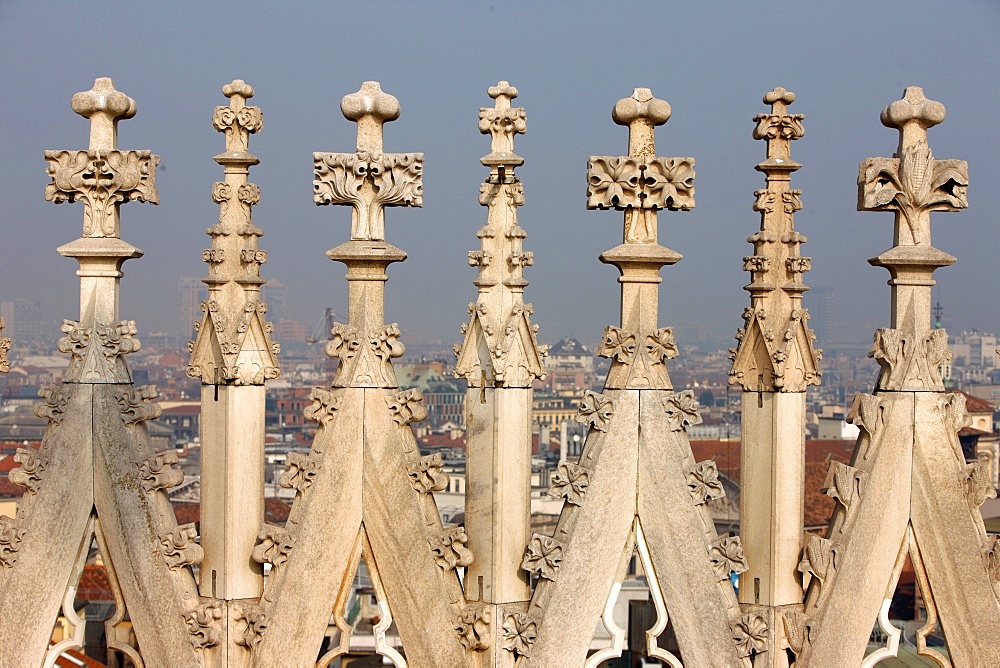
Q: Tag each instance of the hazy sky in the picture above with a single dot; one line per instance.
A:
(571, 61)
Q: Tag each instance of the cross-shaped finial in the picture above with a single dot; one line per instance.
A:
(238, 121)
(503, 93)
(912, 115)
(641, 113)
(779, 99)
(502, 122)
(370, 108)
(104, 106)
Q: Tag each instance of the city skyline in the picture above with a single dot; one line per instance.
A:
(845, 64)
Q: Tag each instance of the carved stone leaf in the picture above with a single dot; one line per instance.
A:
(159, 472)
(977, 481)
(595, 410)
(137, 404)
(570, 481)
(726, 555)
(543, 555)
(661, 346)
(274, 544)
(10, 540)
(102, 180)
(449, 548)
(29, 474)
(844, 483)
(180, 548)
(426, 474)
(798, 631)
(324, 406)
(205, 625)
(302, 468)
(519, 634)
(820, 558)
(473, 628)
(53, 404)
(775, 126)
(255, 622)
(682, 410)
(407, 406)
(703, 483)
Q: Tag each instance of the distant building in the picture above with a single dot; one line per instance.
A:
(193, 293)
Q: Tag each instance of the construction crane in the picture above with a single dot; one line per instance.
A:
(322, 327)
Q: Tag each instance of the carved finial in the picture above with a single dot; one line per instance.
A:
(912, 184)
(502, 123)
(779, 99)
(370, 108)
(503, 93)
(641, 112)
(104, 106)
(912, 115)
(778, 356)
(500, 348)
(239, 90)
(228, 347)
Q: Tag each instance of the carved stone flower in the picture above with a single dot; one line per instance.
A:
(543, 555)
(519, 633)
(595, 410)
(570, 481)
(726, 555)
(386, 343)
(682, 410)
(617, 345)
(324, 406)
(703, 482)
(668, 183)
(750, 634)
(274, 544)
(661, 346)
(301, 471)
(613, 182)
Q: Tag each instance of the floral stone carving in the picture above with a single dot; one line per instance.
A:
(543, 555)
(750, 634)
(205, 625)
(703, 483)
(977, 481)
(449, 548)
(255, 621)
(407, 406)
(324, 406)
(137, 404)
(159, 472)
(426, 474)
(682, 410)
(570, 481)
(29, 474)
(846, 484)
(53, 404)
(473, 628)
(820, 558)
(910, 361)
(10, 540)
(726, 555)
(519, 633)
(179, 546)
(101, 180)
(302, 468)
(595, 410)
(273, 546)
